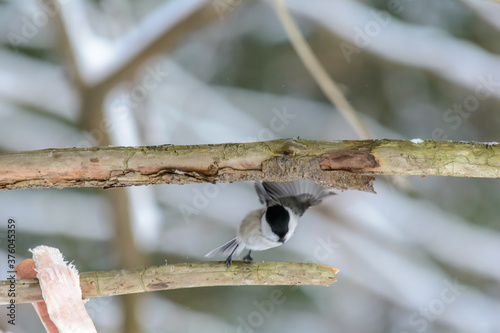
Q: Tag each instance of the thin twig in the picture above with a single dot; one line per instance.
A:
(179, 276)
(318, 72)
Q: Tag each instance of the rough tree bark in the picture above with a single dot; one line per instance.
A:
(340, 164)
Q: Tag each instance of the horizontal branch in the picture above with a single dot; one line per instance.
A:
(340, 164)
(178, 276)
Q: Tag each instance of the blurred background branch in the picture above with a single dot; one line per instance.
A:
(318, 72)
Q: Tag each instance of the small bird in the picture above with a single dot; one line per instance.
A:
(274, 224)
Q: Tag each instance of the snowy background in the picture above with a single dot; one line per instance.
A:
(80, 73)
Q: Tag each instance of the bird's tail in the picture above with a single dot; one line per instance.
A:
(225, 249)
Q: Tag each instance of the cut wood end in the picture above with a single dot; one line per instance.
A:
(335, 270)
(26, 269)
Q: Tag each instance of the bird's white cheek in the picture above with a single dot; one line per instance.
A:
(288, 236)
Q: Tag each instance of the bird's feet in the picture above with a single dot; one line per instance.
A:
(248, 259)
(229, 261)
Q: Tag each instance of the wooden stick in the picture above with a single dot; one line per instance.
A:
(340, 164)
(178, 276)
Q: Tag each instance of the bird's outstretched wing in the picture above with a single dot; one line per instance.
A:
(298, 195)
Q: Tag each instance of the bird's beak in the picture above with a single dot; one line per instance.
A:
(282, 239)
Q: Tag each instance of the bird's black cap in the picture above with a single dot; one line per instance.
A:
(278, 217)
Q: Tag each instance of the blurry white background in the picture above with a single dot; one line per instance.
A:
(120, 72)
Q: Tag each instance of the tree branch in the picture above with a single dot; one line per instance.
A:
(179, 276)
(340, 164)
